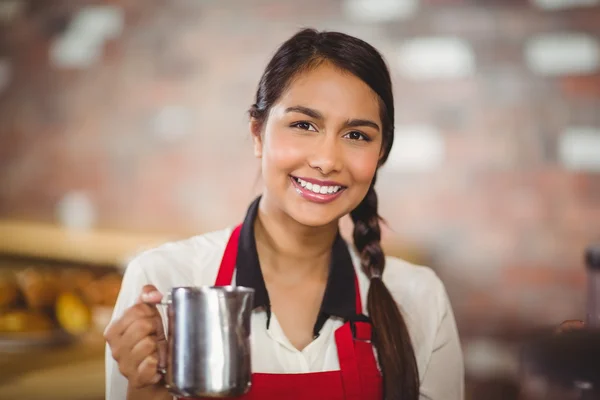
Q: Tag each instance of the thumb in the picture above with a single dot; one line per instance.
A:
(150, 294)
(570, 325)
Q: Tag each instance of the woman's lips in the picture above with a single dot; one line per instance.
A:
(312, 191)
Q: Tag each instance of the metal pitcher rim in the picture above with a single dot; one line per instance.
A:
(226, 289)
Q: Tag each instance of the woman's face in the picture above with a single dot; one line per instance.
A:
(320, 146)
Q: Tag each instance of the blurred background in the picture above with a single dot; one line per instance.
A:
(124, 124)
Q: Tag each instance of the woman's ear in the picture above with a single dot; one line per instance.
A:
(256, 131)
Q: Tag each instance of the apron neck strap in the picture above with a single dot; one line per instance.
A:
(228, 262)
(227, 267)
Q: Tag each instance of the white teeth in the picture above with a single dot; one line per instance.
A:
(313, 187)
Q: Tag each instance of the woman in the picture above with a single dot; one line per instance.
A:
(322, 124)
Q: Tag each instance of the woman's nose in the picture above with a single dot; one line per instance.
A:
(326, 156)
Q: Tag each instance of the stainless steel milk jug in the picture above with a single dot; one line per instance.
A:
(208, 341)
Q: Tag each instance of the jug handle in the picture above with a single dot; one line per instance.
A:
(166, 301)
(163, 373)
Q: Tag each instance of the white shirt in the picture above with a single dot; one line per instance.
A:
(418, 291)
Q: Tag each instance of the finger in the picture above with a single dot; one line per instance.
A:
(136, 332)
(570, 325)
(132, 314)
(150, 294)
(143, 349)
(147, 372)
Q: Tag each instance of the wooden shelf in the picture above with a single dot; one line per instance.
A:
(96, 247)
(73, 372)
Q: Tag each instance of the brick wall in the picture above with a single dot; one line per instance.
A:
(131, 115)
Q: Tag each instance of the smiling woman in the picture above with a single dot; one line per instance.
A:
(322, 124)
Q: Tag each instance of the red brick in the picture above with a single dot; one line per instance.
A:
(577, 87)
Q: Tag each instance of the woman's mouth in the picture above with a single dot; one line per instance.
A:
(322, 192)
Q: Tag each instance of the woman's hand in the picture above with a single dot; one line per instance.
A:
(569, 325)
(137, 340)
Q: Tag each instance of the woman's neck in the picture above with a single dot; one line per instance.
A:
(290, 247)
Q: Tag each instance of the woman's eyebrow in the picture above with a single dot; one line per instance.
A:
(354, 123)
(351, 123)
(305, 110)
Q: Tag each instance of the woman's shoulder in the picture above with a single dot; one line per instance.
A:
(417, 289)
(405, 278)
(420, 294)
(193, 260)
(410, 284)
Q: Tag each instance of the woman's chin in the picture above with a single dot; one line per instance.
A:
(314, 221)
(313, 216)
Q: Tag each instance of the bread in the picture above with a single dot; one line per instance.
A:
(75, 279)
(9, 290)
(73, 315)
(39, 287)
(19, 321)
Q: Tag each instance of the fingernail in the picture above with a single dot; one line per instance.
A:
(149, 296)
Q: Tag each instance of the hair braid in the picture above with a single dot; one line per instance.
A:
(394, 347)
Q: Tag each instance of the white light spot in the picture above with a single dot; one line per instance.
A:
(416, 148)
(82, 44)
(76, 211)
(486, 358)
(10, 9)
(71, 51)
(562, 54)
(172, 123)
(436, 58)
(5, 74)
(104, 22)
(579, 148)
(562, 4)
(379, 10)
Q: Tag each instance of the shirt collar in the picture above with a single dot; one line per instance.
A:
(339, 299)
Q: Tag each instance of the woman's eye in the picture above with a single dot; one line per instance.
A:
(304, 126)
(355, 135)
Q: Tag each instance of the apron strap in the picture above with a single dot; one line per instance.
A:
(369, 370)
(348, 362)
(227, 268)
(357, 295)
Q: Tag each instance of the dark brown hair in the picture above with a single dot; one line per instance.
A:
(305, 51)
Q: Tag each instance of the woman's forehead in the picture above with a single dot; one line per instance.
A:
(331, 91)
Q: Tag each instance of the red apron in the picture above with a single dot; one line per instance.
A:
(358, 378)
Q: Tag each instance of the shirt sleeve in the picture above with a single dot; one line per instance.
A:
(134, 280)
(444, 375)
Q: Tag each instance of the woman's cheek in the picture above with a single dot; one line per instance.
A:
(287, 151)
(362, 166)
